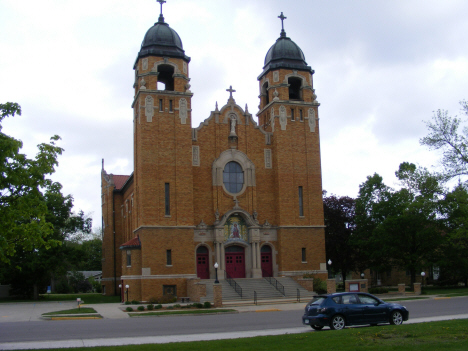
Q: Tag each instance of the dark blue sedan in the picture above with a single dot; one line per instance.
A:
(343, 309)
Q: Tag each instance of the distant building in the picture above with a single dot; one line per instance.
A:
(239, 191)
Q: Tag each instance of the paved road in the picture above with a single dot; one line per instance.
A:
(118, 328)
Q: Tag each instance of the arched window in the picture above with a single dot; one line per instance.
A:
(233, 177)
(265, 249)
(265, 93)
(165, 76)
(295, 88)
(202, 250)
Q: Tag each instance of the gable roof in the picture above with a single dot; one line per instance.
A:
(134, 243)
(119, 180)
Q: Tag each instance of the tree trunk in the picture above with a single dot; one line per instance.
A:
(35, 293)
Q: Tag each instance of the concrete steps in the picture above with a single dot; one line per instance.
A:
(266, 293)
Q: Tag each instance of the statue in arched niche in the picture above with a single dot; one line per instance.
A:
(233, 119)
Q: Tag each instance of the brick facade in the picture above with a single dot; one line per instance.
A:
(176, 202)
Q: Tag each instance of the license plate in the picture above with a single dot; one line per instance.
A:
(306, 321)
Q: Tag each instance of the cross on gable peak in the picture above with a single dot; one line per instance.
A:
(230, 91)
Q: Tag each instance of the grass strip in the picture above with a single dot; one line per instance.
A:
(72, 311)
(407, 298)
(144, 314)
(434, 336)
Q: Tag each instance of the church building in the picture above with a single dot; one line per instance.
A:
(241, 191)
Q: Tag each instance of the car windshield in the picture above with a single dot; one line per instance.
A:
(317, 300)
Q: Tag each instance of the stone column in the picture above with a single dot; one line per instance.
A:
(331, 286)
(417, 288)
(259, 256)
(218, 295)
(401, 289)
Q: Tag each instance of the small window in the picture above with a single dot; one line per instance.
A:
(161, 105)
(167, 199)
(292, 114)
(349, 299)
(304, 258)
(294, 88)
(170, 290)
(301, 117)
(171, 108)
(129, 258)
(301, 203)
(169, 257)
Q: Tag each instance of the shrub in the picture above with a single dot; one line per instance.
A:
(127, 302)
(149, 307)
(177, 305)
(207, 304)
(197, 305)
(320, 286)
(129, 309)
(157, 307)
(141, 308)
(170, 307)
(153, 300)
(135, 302)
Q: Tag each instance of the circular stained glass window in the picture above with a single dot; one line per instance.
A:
(233, 177)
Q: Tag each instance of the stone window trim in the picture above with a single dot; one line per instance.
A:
(237, 156)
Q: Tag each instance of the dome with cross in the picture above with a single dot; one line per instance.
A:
(162, 40)
(285, 53)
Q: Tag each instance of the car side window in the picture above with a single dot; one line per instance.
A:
(337, 299)
(368, 300)
(349, 299)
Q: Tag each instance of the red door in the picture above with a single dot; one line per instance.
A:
(267, 264)
(203, 271)
(235, 264)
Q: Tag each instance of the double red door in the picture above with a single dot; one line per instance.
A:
(235, 264)
(203, 270)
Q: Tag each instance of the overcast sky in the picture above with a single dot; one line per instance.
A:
(381, 69)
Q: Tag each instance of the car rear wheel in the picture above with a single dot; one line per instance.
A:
(316, 327)
(337, 323)
(396, 318)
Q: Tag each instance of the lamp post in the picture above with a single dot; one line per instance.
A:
(329, 264)
(423, 274)
(126, 287)
(216, 272)
(362, 275)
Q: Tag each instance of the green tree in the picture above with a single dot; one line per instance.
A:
(400, 228)
(340, 224)
(445, 135)
(23, 208)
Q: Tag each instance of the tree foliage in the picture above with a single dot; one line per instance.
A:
(400, 228)
(445, 135)
(340, 224)
(23, 208)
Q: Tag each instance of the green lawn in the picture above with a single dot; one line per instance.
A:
(442, 291)
(436, 336)
(72, 311)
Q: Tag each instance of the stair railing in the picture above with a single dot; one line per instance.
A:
(278, 286)
(233, 283)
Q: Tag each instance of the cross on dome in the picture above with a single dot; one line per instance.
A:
(161, 17)
(282, 17)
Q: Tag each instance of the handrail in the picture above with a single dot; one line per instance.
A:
(255, 298)
(233, 283)
(278, 286)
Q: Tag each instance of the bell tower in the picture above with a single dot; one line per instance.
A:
(162, 130)
(289, 111)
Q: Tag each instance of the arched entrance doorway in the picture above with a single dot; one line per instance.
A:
(267, 261)
(203, 266)
(235, 261)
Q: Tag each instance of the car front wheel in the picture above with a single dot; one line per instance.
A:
(316, 327)
(337, 323)
(396, 318)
